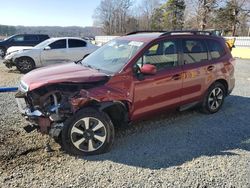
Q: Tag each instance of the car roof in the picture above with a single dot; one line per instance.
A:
(30, 34)
(142, 37)
(59, 38)
(149, 36)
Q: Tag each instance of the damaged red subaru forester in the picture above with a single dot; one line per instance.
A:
(128, 79)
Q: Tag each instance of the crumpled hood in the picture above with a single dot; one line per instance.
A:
(68, 72)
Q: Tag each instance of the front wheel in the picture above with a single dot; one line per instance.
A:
(88, 132)
(25, 64)
(214, 98)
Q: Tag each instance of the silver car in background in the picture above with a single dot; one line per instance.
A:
(51, 51)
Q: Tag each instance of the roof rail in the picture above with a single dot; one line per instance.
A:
(146, 31)
(194, 32)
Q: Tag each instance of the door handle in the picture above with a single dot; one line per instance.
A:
(176, 77)
(210, 68)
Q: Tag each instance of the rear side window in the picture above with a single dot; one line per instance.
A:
(31, 38)
(215, 48)
(74, 43)
(194, 51)
(58, 44)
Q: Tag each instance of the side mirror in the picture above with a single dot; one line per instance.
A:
(47, 48)
(148, 69)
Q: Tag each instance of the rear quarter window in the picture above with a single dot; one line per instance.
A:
(216, 49)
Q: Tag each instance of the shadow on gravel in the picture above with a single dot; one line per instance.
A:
(181, 137)
(14, 71)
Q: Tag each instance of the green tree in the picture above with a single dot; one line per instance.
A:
(232, 17)
(174, 15)
(157, 19)
(169, 16)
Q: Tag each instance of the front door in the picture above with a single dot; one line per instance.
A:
(153, 93)
(57, 53)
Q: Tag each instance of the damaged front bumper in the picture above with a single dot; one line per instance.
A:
(37, 119)
(9, 63)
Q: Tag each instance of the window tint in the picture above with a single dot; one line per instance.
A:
(216, 49)
(31, 38)
(194, 51)
(58, 44)
(163, 55)
(74, 43)
(19, 38)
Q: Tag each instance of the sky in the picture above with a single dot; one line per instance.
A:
(47, 12)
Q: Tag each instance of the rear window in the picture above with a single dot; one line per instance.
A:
(215, 48)
(74, 43)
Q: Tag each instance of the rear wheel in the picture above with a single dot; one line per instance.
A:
(25, 64)
(88, 132)
(214, 98)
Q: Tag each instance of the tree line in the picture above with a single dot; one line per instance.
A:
(52, 31)
(122, 16)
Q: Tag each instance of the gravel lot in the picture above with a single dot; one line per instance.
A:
(182, 149)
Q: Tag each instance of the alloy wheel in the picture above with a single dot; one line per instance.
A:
(88, 134)
(25, 64)
(215, 98)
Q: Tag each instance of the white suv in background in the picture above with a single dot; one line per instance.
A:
(51, 51)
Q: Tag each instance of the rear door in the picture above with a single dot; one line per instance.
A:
(153, 93)
(31, 40)
(56, 54)
(197, 69)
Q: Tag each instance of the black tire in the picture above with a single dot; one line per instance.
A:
(25, 64)
(79, 140)
(214, 98)
(2, 52)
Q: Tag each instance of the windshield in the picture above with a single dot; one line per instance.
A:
(113, 56)
(9, 37)
(44, 43)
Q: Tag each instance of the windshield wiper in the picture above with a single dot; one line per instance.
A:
(79, 61)
(92, 67)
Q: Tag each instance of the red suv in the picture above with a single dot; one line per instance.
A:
(128, 79)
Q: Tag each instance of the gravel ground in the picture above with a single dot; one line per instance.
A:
(182, 149)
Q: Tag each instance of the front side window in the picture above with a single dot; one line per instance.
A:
(74, 43)
(19, 38)
(194, 51)
(216, 49)
(58, 44)
(162, 55)
(113, 56)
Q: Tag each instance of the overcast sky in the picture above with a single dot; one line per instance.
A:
(47, 12)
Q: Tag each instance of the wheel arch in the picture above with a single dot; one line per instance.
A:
(224, 83)
(116, 110)
(19, 57)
